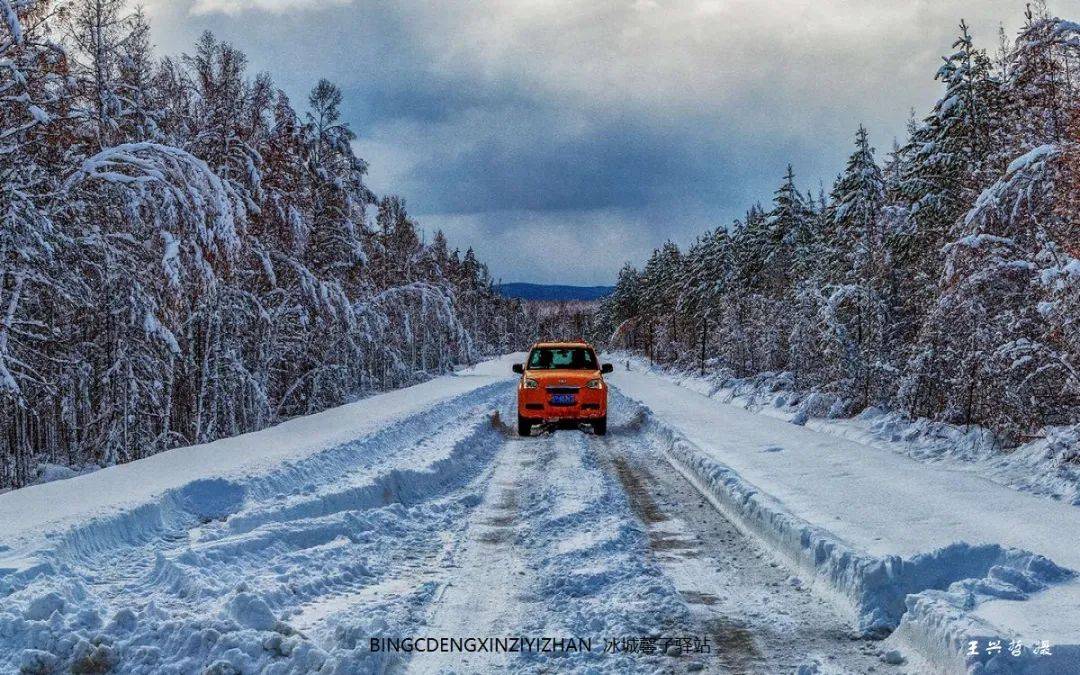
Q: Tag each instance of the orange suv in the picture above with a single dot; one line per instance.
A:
(562, 381)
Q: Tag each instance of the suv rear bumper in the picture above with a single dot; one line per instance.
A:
(535, 404)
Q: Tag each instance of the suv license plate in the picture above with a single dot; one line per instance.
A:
(562, 399)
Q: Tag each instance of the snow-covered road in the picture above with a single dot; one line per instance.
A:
(421, 514)
(578, 535)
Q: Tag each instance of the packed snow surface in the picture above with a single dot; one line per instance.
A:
(1045, 466)
(436, 521)
(219, 556)
(882, 502)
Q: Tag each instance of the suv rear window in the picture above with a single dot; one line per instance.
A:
(565, 358)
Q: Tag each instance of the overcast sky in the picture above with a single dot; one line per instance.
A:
(561, 138)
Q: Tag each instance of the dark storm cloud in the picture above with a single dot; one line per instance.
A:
(538, 167)
(601, 127)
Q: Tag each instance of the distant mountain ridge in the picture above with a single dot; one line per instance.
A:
(552, 292)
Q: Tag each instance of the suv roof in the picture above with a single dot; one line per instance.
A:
(562, 343)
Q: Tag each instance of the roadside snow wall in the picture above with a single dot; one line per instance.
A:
(929, 594)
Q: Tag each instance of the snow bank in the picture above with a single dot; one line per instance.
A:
(873, 587)
(216, 498)
(928, 596)
(942, 627)
(936, 551)
(1048, 466)
(199, 607)
(47, 472)
(131, 497)
(142, 567)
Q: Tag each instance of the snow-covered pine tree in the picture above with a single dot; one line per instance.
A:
(948, 160)
(135, 67)
(855, 309)
(794, 216)
(1039, 81)
(1005, 361)
(945, 283)
(705, 278)
(999, 344)
(619, 311)
(943, 167)
(338, 196)
(790, 228)
(658, 286)
(743, 309)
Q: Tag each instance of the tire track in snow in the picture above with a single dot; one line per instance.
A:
(170, 518)
(464, 528)
(553, 550)
(217, 555)
(758, 617)
(483, 595)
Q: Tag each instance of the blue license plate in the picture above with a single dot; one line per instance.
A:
(562, 399)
